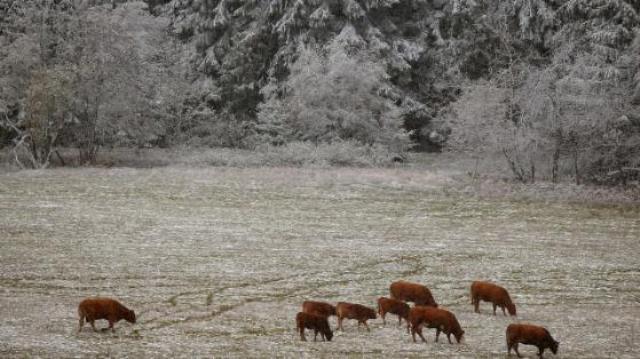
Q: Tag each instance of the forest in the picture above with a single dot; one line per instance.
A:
(548, 88)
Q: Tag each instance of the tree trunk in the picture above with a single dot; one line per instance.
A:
(517, 172)
(533, 172)
(88, 144)
(60, 158)
(475, 169)
(554, 167)
(575, 164)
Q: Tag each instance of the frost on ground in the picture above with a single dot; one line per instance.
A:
(216, 262)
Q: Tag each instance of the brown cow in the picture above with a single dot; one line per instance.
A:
(319, 308)
(412, 292)
(92, 309)
(354, 311)
(316, 322)
(530, 335)
(495, 294)
(440, 319)
(394, 306)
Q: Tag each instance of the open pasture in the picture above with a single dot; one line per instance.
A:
(217, 261)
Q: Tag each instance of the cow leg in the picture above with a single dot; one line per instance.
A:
(420, 334)
(515, 347)
(476, 304)
(449, 338)
(437, 334)
(399, 321)
(81, 324)
(93, 325)
(382, 315)
(111, 322)
(503, 312)
(540, 351)
(302, 337)
(315, 335)
(494, 308)
(413, 334)
(340, 323)
(366, 326)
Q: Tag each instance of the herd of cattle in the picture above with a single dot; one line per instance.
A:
(424, 313)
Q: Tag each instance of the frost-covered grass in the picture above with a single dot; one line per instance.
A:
(294, 154)
(216, 261)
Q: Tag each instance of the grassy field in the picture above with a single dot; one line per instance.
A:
(216, 262)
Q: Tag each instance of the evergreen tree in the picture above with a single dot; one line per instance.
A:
(245, 46)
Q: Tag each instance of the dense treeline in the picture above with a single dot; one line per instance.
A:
(551, 87)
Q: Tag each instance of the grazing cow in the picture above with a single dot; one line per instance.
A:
(495, 294)
(354, 311)
(319, 308)
(394, 306)
(412, 292)
(316, 322)
(92, 309)
(530, 335)
(440, 319)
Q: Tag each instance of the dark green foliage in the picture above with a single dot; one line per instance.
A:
(426, 47)
(245, 46)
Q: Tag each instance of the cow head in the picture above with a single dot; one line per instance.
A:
(329, 335)
(130, 316)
